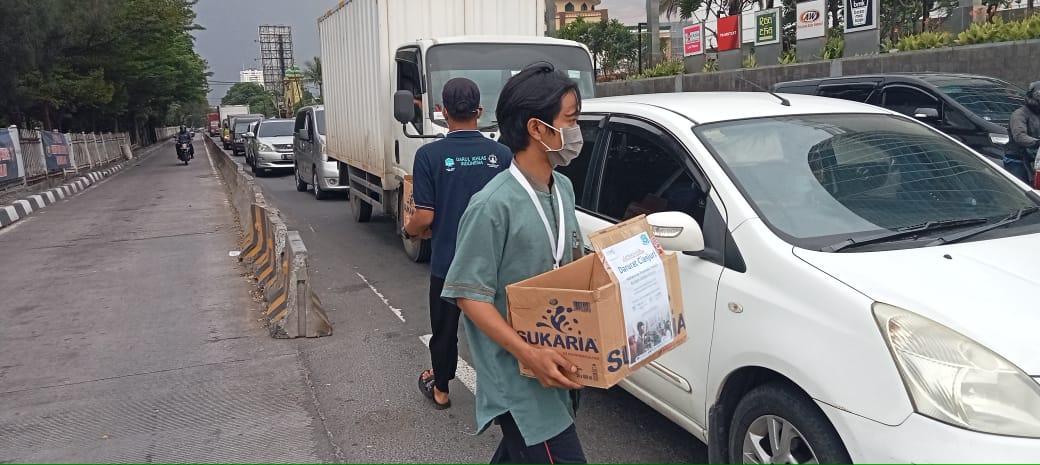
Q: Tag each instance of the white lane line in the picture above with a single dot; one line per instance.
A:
(386, 302)
(464, 372)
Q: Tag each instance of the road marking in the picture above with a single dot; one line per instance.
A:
(464, 372)
(386, 302)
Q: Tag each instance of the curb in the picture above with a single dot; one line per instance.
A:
(23, 208)
(277, 257)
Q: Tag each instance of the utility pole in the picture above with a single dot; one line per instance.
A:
(550, 18)
(653, 15)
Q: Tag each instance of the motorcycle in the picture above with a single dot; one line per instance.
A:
(184, 150)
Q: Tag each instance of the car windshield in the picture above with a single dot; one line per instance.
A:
(818, 179)
(992, 100)
(320, 117)
(491, 65)
(276, 128)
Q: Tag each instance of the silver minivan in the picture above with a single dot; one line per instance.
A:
(313, 167)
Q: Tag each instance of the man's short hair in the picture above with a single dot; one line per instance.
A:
(535, 92)
(461, 99)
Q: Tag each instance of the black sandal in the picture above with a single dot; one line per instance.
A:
(426, 387)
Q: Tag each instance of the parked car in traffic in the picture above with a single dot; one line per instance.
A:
(312, 166)
(857, 285)
(239, 125)
(973, 109)
(270, 144)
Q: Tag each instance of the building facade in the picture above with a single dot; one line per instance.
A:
(568, 11)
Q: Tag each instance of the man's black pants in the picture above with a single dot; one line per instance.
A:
(563, 448)
(444, 344)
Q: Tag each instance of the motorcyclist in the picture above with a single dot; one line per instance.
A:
(184, 138)
(1024, 132)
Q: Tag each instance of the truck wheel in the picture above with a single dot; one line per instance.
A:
(778, 423)
(362, 210)
(417, 251)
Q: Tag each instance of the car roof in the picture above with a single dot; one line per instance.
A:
(270, 120)
(710, 107)
(929, 76)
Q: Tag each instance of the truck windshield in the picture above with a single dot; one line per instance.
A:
(491, 65)
(991, 99)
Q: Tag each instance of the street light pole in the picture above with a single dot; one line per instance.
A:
(639, 34)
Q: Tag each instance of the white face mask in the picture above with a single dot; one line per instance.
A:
(571, 142)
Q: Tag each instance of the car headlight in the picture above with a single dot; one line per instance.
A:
(324, 155)
(999, 139)
(265, 148)
(956, 380)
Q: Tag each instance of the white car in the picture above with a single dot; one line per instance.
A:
(858, 286)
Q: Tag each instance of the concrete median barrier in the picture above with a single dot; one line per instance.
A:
(275, 255)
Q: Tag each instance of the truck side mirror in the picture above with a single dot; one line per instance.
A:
(404, 106)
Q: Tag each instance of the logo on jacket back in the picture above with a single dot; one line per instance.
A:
(558, 330)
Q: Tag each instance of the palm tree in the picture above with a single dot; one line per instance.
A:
(669, 8)
(312, 73)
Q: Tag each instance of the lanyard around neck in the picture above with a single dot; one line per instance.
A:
(555, 243)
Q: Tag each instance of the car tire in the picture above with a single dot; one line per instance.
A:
(257, 172)
(301, 186)
(316, 187)
(780, 407)
(362, 210)
(417, 251)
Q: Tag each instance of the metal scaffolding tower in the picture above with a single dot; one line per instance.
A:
(276, 55)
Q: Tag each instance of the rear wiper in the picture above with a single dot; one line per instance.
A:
(906, 231)
(981, 229)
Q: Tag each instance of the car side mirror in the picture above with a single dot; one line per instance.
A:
(404, 106)
(926, 114)
(249, 135)
(676, 231)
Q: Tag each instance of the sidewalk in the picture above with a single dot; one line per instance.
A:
(128, 334)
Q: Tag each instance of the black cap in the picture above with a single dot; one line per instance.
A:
(461, 97)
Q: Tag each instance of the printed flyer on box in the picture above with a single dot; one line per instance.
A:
(644, 295)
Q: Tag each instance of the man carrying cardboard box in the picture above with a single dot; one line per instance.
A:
(520, 225)
(447, 173)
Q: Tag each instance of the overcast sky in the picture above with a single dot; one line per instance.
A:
(230, 43)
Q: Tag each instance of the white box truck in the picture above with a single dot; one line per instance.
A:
(371, 51)
(226, 112)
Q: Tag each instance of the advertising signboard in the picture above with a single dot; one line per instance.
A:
(56, 150)
(767, 26)
(861, 15)
(693, 39)
(729, 33)
(811, 19)
(8, 160)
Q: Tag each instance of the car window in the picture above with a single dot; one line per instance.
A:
(319, 116)
(644, 174)
(578, 170)
(854, 92)
(301, 122)
(275, 128)
(993, 100)
(816, 179)
(906, 100)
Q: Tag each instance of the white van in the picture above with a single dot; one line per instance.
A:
(866, 289)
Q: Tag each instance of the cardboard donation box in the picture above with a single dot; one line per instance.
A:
(609, 313)
(409, 205)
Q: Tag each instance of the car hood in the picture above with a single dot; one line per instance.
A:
(275, 140)
(985, 290)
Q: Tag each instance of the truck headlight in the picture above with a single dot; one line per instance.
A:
(999, 139)
(956, 380)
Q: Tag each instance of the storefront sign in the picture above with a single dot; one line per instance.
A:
(861, 15)
(693, 39)
(811, 20)
(767, 27)
(729, 33)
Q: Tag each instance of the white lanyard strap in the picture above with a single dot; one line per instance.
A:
(555, 244)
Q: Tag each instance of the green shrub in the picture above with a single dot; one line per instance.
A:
(1000, 31)
(710, 65)
(925, 41)
(749, 61)
(664, 68)
(788, 57)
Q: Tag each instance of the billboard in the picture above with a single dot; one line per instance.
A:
(728, 33)
(8, 160)
(55, 150)
(861, 15)
(811, 20)
(767, 26)
(693, 40)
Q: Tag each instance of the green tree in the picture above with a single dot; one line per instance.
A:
(248, 93)
(612, 45)
(312, 73)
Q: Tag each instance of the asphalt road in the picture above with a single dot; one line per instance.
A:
(365, 374)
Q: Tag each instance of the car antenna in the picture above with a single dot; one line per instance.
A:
(783, 101)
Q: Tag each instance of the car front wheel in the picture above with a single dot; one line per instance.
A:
(301, 185)
(778, 423)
